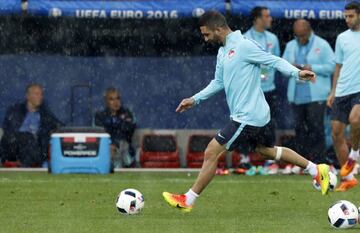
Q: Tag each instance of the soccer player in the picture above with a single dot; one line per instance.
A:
(238, 73)
(344, 98)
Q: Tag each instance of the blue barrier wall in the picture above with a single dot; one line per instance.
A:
(151, 87)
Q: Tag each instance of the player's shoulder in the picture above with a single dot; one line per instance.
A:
(321, 41)
(291, 43)
(344, 34)
(246, 42)
(247, 45)
(220, 51)
(271, 35)
(247, 33)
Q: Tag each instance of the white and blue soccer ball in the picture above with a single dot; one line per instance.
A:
(130, 201)
(333, 182)
(343, 214)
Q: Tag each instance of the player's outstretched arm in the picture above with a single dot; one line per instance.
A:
(255, 54)
(331, 97)
(185, 104)
(307, 75)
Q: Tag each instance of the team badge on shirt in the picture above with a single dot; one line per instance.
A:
(231, 53)
(317, 51)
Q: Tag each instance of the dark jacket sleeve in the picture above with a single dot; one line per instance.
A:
(7, 126)
(99, 119)
(50, 120)
(13, 119)
(128, 124)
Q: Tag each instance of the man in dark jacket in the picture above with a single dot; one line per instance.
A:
(27, 127)
(119, 122)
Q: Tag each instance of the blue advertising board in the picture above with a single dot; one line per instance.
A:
(292, 9)
(139, 9)
(10, 7)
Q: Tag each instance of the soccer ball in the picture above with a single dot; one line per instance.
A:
(130, 201)
(333, 182)
(343, 214)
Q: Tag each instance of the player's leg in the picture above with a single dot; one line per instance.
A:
(286, 155)
(340, 112)
(339, 141)
(319, 172)
(212, 153)
(354, 120)
(185, 201)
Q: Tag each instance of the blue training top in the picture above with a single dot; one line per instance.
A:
(238, 73)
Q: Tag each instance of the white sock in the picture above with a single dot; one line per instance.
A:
(354, 154)
(348, 177)
(191, 197)
(245, 159)
(312, 169)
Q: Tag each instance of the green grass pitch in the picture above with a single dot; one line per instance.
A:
(39, 202)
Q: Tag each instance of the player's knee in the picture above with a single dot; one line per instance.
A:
(337, 134)
(267, 152)
(210, 155)
(336, 137)
(354, 120)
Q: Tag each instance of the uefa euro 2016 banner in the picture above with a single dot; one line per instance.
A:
(293, 9)
(139, 9)
(157, 9)
(10, 7)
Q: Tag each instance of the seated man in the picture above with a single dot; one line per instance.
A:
(119, 122)
(27, 127)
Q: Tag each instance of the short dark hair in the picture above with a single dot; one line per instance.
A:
(213, 19)
(31, 85)
(354, 5)
(111, 90)
(256, 12)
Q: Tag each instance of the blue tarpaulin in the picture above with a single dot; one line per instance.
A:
(149, 9)
(326, 9)
(10, 7)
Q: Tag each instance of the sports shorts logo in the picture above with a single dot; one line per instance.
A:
(221, 136)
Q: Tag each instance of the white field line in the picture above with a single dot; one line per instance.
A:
(146, 182)
(116, 169)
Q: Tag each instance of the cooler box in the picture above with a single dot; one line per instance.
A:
(80, 150)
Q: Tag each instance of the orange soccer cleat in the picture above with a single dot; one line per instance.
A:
(346, 185)
(222, 172)
(348, 167)
(177, 201)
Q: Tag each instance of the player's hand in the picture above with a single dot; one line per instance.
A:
(307, 75)
(330, 99)
(185, 104)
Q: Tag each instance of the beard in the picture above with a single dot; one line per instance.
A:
(216, 40)
(355, 26)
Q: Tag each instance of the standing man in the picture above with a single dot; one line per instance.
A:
(119, 122)
(237, 72)
(344, 98)
(262, 20)
(27, 128)
(309, 52)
